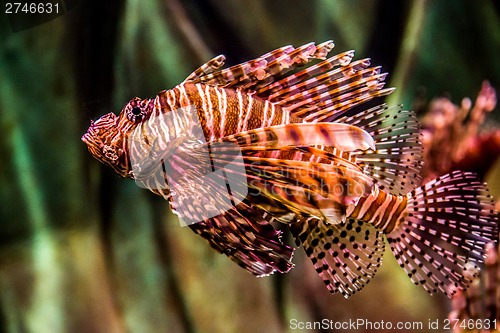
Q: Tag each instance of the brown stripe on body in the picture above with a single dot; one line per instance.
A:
(375, 204)
(398, 215)
(387, 212)
(164, 100)
(381, 209)
(357, 209)
(237, 107)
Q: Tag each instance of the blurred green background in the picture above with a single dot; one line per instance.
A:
(82, 250)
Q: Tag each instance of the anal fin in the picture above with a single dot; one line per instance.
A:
(346, 255)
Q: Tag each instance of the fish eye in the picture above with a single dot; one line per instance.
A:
(136, 111)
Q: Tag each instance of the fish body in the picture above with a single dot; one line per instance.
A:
(234, 150)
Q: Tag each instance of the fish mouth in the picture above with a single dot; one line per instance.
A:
(86, 138)
(106, 122)
(89, 136)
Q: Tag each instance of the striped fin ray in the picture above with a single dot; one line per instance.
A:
(315, 94)
(346, 256)
(298, 200)
(302, 184)
(272, 91)
(225, 154)
(318, 93)
(321, 155)
(233, 74)
(347, 101)
(335, 82)
(196, 186)
(240, 232)
(396, 162)
(332, 181)
(341, 136)
(262, 71)
(321, 189)
(248, 239)
(440, 243)
(207, 68)
(287, 62)
(338, 100)
(191, 163)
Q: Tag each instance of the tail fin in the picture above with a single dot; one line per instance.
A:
(440, 243)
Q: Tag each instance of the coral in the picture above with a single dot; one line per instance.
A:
(455, 138)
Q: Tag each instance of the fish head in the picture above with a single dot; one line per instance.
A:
(107, 137)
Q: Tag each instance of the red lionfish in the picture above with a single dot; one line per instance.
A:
(339, 178)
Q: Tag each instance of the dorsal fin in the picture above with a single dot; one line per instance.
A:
(315, 95)
(261, 71)
(321, 92)
(207, 68)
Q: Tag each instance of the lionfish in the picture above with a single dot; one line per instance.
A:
(301, 152)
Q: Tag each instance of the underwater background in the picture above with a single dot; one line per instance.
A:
(82, 250)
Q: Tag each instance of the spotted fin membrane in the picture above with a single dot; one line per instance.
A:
(346, 256)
